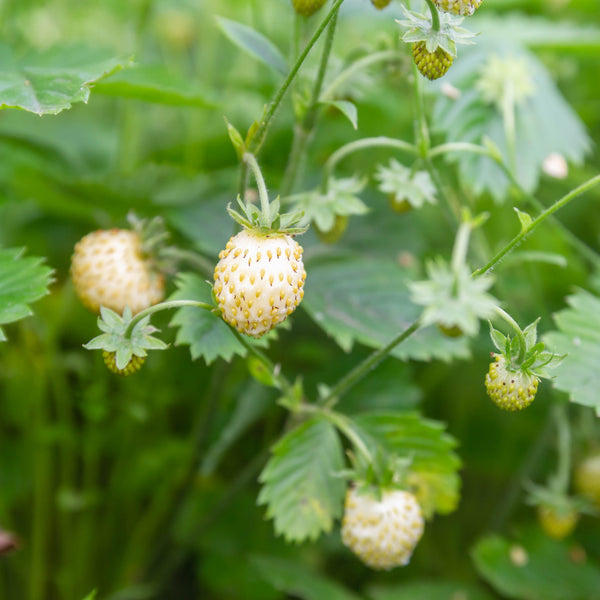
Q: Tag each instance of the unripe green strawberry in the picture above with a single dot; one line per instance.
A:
(510, 390)
(259, 280)
(382, 533)
(135, 364)
(336, 232)
(557, 524)
(380, 4)
(306, 8)
(458, 7)
(108, 269)
(431, 64)
(587, 478)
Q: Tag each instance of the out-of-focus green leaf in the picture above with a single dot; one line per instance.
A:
(535, 567)
(207, 335)
(434, 463)
(471, 118)
(91, 595)
(302, 493)
(348, 109)
(293, 579)
(537, 32)
(22, 281)
(49, 82)
(254, 43)
(366, 300)
(578, 336)
(155, 84)
(427, 590)
(250, 407)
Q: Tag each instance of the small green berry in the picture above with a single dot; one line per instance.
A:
(510, 390)
(110, 360)
(431, 64)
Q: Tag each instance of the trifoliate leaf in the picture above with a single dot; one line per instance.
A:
(474, 116)
(535, 567)
(405, 185)
(22, 280)
(433, 466)
(49, 82)
(452, 298)
(366, 300)
(302, 493)
(341, 199)
(578, 336)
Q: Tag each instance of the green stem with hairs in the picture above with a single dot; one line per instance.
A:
(435, 15)
(367, 365)
(263, 194)
(357, 146)
(584, 187)
(522, 345)
(303, 130)
(163, 306)
(589, 253)
(261, 132)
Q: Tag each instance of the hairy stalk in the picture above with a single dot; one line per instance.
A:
(261, 132)
(363, 368)
(584, 187)
(435, 15)
(304, 129)
(164, 306)
(522, 346)
(357, 146)
(589, 253)
(263, 194)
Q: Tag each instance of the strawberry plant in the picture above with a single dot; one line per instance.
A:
(263, 266)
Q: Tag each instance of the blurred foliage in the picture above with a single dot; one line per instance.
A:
(146, 487)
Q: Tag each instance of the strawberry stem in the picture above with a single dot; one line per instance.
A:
(584, 187)
(356, 146)
(263, 194)
(561, 420)
(163, 306)
(522, 343)
(435, 16)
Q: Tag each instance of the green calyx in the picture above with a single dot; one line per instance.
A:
(523, 352)
(123, 343)
(419, 28)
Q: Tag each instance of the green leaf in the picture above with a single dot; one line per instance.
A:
(250, 407)
(535, 567)
(434, 462)
(51, 81)
(294, 579)
(347, 108)
(578, 336)
(22, 280)
(155, 84)
(91, 595)
(366, 300)
(427, 590)
(253, 43)
(207, 335)
(302, 493)
(471, 118)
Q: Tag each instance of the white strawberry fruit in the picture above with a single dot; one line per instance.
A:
(259, 280)
(382, 533)
(108, 268)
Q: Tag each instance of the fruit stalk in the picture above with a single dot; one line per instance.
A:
(259, 136)
(435, 17)
(578, 191)
(263, 194)
(163, 306)
(304, 129)
(356, 374)
(518, 331)
(358, 145)
(563, 472)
